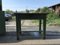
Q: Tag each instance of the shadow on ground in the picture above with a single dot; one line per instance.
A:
(10, 37)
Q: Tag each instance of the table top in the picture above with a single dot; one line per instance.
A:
(31, 15)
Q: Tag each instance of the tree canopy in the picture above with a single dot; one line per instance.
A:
(9, 11)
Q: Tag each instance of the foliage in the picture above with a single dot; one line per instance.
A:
(14, 18)
(51, 17)
(27, 11)
(45, 9)
(9, 11)
(38, 10)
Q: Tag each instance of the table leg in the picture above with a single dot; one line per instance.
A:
(17, 26)
(20, 27)
(40, 26)
(44, 29)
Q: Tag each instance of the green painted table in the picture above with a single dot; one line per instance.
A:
(30, 16)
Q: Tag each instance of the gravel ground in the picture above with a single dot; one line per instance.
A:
(52, 36)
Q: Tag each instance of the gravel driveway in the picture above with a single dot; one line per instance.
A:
(52, 35)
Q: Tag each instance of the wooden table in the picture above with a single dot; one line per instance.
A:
(30, 16)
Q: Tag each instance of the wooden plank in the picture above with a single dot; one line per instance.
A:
(44, 29)
(20, 26)
(17, 26)
(29, 16)
(40, 26)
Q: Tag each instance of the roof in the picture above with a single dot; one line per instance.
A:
(54, 5)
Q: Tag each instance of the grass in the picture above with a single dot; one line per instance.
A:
(57, 21)
(14, 18)
(53, 22)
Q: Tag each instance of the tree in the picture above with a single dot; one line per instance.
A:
(45, 9)
(9, 11)
(31, 11)
(27, 11)
(38, 10)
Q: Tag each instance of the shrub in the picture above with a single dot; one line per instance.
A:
(51, 17)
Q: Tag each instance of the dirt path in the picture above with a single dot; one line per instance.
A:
(52, 35)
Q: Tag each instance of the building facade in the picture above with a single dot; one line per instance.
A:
(56, 8)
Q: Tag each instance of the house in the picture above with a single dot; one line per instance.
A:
(56, 8)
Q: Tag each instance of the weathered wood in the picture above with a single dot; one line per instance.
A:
(17, 26)
(20, 27)
(40, 26)
(29, 16)
(44, 29)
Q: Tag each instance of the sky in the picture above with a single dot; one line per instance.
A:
(27, 4)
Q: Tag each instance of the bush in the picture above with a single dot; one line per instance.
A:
(51, 17)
